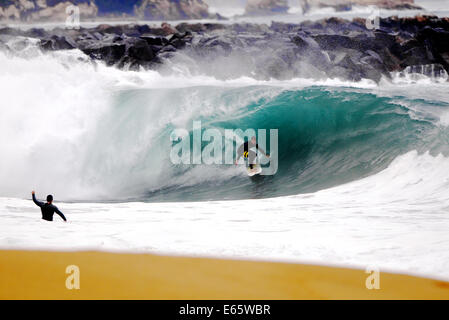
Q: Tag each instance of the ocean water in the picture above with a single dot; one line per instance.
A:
(361, 180)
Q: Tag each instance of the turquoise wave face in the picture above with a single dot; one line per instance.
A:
(326, 137)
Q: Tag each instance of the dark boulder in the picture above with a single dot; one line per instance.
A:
(141, 51)
(333, 42)
(168, 48)
(416, 56)
(220, 44)
(438, 38)
(36, 33)
(58, 43)
(109, 53)
(141, 29)
(155, 40)
(179, 40)
(305, 42)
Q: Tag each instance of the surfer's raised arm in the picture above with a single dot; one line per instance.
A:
(38, 203)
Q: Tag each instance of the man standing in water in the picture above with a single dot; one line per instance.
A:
(250, 155)
(48, 209)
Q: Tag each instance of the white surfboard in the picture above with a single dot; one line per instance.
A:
(255, 170)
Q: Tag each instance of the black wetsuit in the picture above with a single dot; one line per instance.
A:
(48, 210)
(244, 151)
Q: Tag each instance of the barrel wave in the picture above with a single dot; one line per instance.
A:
(100, 134)
(327, 137)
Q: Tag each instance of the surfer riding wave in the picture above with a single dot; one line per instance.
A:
(248, 154)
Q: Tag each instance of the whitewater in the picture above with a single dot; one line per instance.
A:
(362, 177)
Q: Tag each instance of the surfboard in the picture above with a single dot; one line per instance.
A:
(256, 170)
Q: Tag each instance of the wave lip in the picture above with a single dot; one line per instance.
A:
(326, 138)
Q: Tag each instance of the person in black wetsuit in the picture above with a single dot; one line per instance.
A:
(48, 209)
(244, 150)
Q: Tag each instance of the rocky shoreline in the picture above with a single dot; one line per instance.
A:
(332, 48)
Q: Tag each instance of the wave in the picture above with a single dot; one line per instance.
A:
(84, 131)
(327, 137)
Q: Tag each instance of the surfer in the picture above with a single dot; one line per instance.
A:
(48, 209)
(244, 150)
